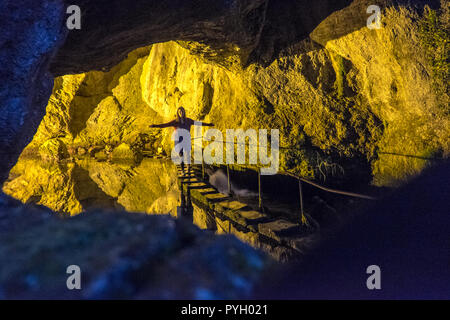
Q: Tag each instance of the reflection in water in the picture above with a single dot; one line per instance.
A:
(72, 187)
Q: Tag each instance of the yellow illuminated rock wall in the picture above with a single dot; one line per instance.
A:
(392, 77)
(98, 108)
(73, 187)
(367, 95)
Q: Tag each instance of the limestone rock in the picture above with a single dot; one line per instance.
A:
(251, 33)
(203, 220)
(72, 188)
(335, 122)
(148, 182)
(81, 151)
(46, 183)
(53, 149)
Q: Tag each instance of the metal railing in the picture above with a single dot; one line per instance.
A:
(300, 179)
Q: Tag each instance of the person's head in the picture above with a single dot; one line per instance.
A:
(181, 114)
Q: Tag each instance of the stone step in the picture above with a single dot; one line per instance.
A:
(231, 205)
(253, 217)
(278, 229)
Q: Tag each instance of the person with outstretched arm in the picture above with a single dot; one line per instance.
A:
(181, 122)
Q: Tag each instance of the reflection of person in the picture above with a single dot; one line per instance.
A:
(181, 122)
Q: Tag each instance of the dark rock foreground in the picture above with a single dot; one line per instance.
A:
(121, 255)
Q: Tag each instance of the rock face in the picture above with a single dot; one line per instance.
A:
(392, 77)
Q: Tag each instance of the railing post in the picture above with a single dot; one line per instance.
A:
(303, 218)
(228, 176)
(259, 189)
